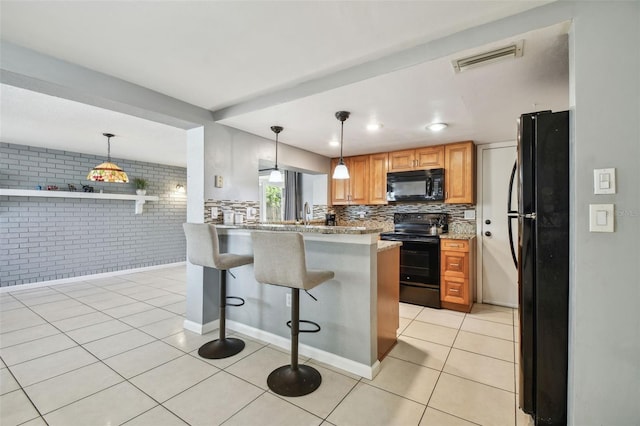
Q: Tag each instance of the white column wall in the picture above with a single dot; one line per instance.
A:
(604, 358)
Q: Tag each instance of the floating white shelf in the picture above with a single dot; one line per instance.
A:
(139, 199)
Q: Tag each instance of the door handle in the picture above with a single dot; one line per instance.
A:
(488, 234)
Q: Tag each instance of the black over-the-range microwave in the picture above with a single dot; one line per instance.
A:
(417, 185)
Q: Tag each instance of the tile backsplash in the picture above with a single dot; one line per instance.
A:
(351, 215)
(374, 216)
(237, 206)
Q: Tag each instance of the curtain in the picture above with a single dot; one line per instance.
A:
(292, 195)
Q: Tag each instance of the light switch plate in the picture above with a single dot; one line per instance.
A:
(251, 213)
(469, 214)
(214, 212)
(601, 218)
(604, 181)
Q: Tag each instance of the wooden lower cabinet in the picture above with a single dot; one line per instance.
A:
(388, 299)
(457, 274)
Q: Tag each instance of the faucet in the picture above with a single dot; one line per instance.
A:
(307, 212)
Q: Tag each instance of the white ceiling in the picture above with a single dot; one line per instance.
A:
(36, 119)
(218, 53)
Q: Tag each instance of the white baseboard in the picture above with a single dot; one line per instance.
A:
(39, 284)
(366, 371)
(201, 328)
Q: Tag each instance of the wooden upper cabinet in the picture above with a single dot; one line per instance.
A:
(359, 179)
(378, 178)
(339, 187)
(430, 157)
(354, 190)
(368, 173)
(460, 173)
(402, 161)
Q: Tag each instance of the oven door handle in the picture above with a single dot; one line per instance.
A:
(430, 243)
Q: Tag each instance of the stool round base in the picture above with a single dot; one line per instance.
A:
(221, 348)
(286, 381)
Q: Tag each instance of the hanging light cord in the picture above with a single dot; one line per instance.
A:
(341, 135)
(276, 151)
(108, 149)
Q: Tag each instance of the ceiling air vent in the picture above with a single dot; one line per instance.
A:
(512, 51)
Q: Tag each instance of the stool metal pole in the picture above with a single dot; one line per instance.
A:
(222, 304)
(295, 326)
(223, 346)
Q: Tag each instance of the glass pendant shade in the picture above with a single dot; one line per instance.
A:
(275, 176)
(108, 171)
(341, 171)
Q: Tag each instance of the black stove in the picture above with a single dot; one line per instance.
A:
(417, 226)
(419, 255)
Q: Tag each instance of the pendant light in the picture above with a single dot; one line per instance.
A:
(341, 171)
(108, 171)
(275, 175)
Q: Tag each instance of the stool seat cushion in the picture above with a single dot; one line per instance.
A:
(315, 277)
(203, 248)
(229, 260)
(280, 260)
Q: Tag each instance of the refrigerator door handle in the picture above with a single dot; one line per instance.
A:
(512, 214)
(510, 194)
(513, 250)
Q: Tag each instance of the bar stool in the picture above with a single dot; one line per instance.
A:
(203, 250)
(280, 260)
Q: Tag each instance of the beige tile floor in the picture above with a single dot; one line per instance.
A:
(113, 351)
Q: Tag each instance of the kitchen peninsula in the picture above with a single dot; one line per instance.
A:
(346, 306)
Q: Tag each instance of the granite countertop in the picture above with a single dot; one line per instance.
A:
(388, 245)
(318, 229)
(452, 236)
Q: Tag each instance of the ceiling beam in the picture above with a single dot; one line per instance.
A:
(31, 70)
(532, 19)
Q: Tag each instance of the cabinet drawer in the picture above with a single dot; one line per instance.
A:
(454, 290)
(454, 245)
(454, 264)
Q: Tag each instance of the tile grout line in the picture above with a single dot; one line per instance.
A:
(97, 360)
(360, 380)
(444, 364)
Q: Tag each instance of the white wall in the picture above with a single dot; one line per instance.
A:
(604, 381)
(235, 154)
(315, 189)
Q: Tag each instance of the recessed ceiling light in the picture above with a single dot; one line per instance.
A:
(436, 127)
(334, 143)
(372, 127)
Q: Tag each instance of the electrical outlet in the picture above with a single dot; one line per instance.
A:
(362, 214)
(288, 300)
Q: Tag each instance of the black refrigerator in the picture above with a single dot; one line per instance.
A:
(543, 263)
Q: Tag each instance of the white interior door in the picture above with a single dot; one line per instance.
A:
(499, 274)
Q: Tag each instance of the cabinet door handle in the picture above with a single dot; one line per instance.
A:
(455, 265)
(454, 290)
(453, 245)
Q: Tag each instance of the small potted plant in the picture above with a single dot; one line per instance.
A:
(141, 185)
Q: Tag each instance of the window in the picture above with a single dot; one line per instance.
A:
(271, 200)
